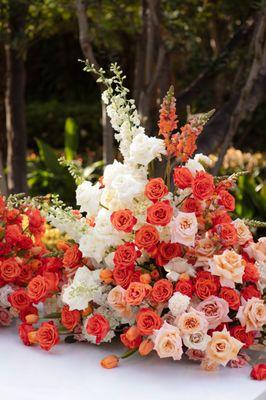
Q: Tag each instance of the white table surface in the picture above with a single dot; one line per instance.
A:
(72, 371)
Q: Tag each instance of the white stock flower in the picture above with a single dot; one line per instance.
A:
(85, 286)
(88, 197)
(5, 291)
(144, 149)
(178, 303)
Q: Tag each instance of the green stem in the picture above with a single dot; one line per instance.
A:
(128, 353)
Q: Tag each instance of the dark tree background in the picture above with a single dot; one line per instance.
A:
(213, 52)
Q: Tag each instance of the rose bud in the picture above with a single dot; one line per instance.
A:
(132, 333)
(32, 336)
(145, 278)
(106, 275)
(145, 347)
(87, 311)
(36, 250)
(258, 372)
(110, 362)
(32, 318)
(155, 274)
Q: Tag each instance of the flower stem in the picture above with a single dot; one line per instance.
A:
(128, 353)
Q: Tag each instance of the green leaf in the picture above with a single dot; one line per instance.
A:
(49, 157)
(71, 139)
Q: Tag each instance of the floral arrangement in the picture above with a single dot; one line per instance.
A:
(159, 261)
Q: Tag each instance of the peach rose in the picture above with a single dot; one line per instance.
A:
(197, 341)
(184, 228)
(191, 322)
(216, 311)
(204, 251)
(252, 314)
(257, 250)
(117, 300)
(167, 342)
(222, 347)
(242, 231)
(229, 266)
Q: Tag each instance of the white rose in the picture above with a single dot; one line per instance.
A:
(196, 341)
(184, 228)
(88, 197)
(178, 303)
(144, 149)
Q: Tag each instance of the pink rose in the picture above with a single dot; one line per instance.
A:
(216, 311)
(241, 360)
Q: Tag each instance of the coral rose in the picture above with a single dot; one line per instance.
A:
(47, 335)
(162, 291)
(69, 319)
(126, 255)
(136, 293)
(98, 326)
(222, 347)
(19, 299)
(183, 178)
(192, 205)
(37, 289)
(166, 252)
(123, 220)
(203, 186)
(148, 321)
(251, 273)
(156, 189)
(239, 332)
(9, 270)
(147, 237)
(160, 213)
(227, 200)
(227, 234)
(258, 372)
(23, 331)
(72, 257)
(206, 285)
(231, 296)
(123, 275)
(185, 287)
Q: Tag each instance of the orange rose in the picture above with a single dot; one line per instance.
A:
(72, 257)
(19, 300)
(203, 186)
(136, 293)
(69, 319)
(123, 220)
(126, 255)
(160, 213)
(185, 287)
(9, 270)
(52, 280)
(231, 296)
(183, 178)
(148, 321)
(47, 335)
(251, 273)
(98, 326)
(37, 289)
(123, 275)
(206, 285)
(156, 189)
(162, 291)
(147, 237)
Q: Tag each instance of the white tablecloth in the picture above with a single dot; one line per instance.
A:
(73, 372)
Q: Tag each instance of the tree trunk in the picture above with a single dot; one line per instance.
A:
(15, 102)
(87, 50)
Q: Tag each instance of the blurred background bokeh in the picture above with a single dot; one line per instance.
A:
(213, 52)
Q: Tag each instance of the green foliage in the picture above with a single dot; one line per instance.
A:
(71, 139)
(251, 197)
